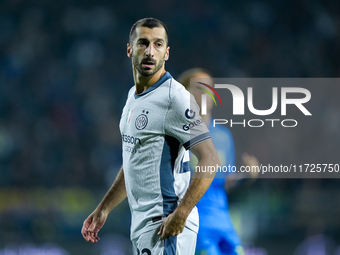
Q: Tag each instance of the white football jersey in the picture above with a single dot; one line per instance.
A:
(158, 126)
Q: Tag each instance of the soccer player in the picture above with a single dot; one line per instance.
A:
(216, 234)
(157, 130)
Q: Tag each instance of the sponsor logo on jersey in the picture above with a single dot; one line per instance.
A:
(192, 124)
(142, 120)
(131, 139)
(190, 114)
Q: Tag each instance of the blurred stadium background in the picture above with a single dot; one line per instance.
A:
(64, 75)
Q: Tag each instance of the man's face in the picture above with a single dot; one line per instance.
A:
(149, 50)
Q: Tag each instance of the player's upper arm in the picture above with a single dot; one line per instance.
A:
(206, 151)
(183, 121)
(207, 156)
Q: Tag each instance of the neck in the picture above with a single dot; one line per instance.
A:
(144, 82)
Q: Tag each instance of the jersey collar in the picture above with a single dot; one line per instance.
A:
(165, 77)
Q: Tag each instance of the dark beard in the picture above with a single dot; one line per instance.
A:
(144, 72)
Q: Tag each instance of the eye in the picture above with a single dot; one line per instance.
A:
(142, 43)
(159, 44)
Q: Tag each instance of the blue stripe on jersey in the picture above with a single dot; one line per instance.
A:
(170, 245)
(165, 77)
(197, 140)
(169, 155)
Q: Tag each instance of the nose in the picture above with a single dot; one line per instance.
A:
(150, 51)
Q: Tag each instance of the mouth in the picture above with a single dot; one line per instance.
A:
(148, 64)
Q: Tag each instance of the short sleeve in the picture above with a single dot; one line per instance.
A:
(183, 121)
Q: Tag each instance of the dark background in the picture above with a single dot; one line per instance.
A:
(64, 77)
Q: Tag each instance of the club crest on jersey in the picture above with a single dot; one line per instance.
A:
(142, 120)
(190, 114)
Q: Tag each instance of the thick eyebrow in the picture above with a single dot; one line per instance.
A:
(142, 40)
(159, 39)
(145, 39)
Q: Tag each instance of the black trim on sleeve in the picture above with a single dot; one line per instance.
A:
(196, 140)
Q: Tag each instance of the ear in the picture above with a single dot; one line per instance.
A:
(166, 56)
(129, 50)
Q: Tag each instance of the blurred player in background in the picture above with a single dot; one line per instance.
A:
(155, 175)
(216, 232)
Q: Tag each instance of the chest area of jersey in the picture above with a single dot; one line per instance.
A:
(142, 120)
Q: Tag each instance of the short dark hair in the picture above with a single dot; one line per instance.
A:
(150, 23)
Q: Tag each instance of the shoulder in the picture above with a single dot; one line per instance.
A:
(132, 91)
(178, 93)
(177, 88)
